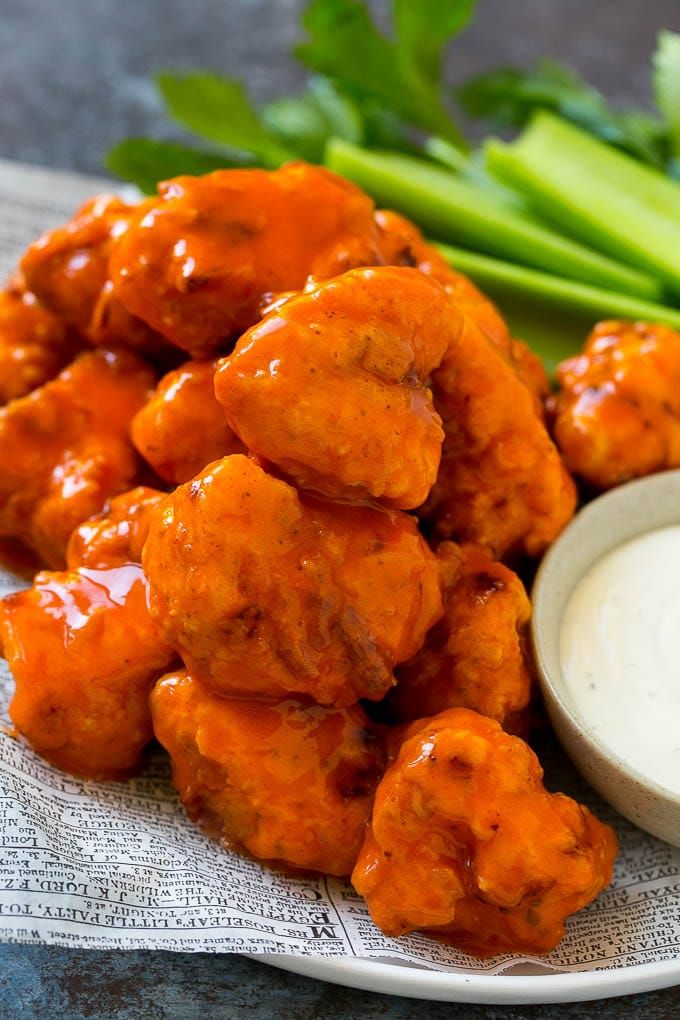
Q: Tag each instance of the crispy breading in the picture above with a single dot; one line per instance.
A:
(197, 265)
(34, 344)
(286, 781)
(402, 244)
(65, 449)
(84, 654)
(477, 655)
(616, 415)
(117, 534)
(466, 842)
(501, 484)
(68, 269)
(263, 592)
(331, 385)
(183, 427)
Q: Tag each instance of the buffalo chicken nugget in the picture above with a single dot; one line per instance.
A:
(332, 385)
(84, 654)
(263, 592)
(477, 655)
(65, 449)
(183, 427)
(34, 344)
(198, 263)
(286, 781)
(68, 269)
(402, 244)
(501, 484)
(466, 842)
(117, 534)
(617, 413)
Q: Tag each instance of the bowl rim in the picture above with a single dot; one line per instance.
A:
(542, 585)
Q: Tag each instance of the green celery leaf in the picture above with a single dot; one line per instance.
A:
(509, 97)
(342, 113)
(298, 121)
(667, 86)
(305, 122)
(218, 108)
(403, 73)
(145, 162)
(424, 29)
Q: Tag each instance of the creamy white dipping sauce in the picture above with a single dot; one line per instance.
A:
(620, 653)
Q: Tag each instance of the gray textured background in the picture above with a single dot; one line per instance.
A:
(74, 74)
(74, 80)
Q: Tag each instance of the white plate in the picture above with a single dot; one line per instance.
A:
(392, 979)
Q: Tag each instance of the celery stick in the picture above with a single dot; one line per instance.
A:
(471, 167)
(552, 314)
(455, 210)
(595, 193)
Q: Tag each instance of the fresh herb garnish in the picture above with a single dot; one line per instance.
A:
(510, 96)
(371, 91)
(403, 73)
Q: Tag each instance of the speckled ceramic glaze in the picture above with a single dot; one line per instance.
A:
(607, 522)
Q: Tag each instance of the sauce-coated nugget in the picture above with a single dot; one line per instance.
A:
(84, 654)
(184, 427)
(501, 484)
(332, 385)
(465, 841)
(402, 244)
(117, 534)
(263, 592)
(287, 781)
(65, 449)
(617, 414)
(68, 269)
(477, 655)
(34, 344)
(197, 265)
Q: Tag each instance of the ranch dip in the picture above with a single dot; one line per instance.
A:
(620, 653)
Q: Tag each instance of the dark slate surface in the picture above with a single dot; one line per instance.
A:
(74, 80)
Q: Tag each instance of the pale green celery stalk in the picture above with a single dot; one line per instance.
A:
(446, 153)
(551, 313)
(597, 194)
(455, 210)
(471, 167)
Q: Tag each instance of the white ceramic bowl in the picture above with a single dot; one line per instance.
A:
(619, 515)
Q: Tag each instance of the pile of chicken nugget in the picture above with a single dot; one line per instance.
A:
(279, 461)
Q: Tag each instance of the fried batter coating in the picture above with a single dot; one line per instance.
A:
(466, 842)
(287, 781)
(68, 269)
(183, 427)
(65, 449)
(84, 654)
(197, 265)
(502, 484)
(402, 244)
(331, 385)
(34, 344)
(117, 534)
(476, 656)
(617, 414)
(264, 592)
